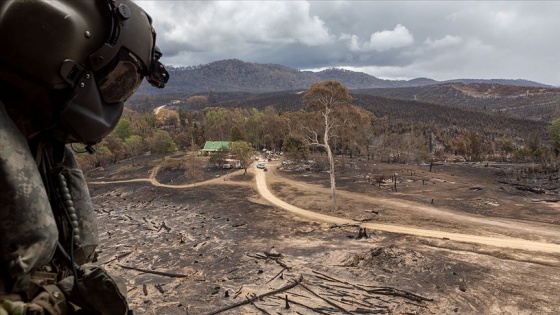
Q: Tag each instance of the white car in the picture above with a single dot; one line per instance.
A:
(261, 165)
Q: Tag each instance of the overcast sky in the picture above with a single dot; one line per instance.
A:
(440, 40)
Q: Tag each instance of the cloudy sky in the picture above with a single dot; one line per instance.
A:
(441, 40)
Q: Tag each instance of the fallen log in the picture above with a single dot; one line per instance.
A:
(342, 309)
(292, 301)
(398, 292)
(160, 273)
(275, 276)
(380, 290)
(260, 309)
(258, 297)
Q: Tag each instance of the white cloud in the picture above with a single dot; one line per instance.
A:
(442, 39)
(384, 40)
(236, 25)
(447, 41)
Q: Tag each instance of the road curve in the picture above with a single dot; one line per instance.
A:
(513, 243)
(152, 180)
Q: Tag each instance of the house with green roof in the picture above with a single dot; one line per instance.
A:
(215, 146)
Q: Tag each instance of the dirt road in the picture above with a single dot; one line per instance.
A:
(513, 243)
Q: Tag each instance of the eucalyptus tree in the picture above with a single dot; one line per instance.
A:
(295, 148)
(327, 99)
(357, 130)
(161, 142)
(243, 152)
(217, 124)
(273, 128)
(254, 127)
(133, 147)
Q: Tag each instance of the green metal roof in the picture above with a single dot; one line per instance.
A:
(213, 146)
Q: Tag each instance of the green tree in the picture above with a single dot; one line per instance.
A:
(219, 156)
(242, 151)
(133, 147)
(115, 145)
(539, 153)
(198, 136)
(123, 129)
(217, 125)
(354, 136)
(236, 134)
(197, 100)
(104, 155)
(254, 127)
(506, 146)
(460, 146)
(325, 98)
(185, 118)
(295, 148)
(273, 128)
(522, 154)
(468, 145)
(161, 142)
(183, 140)
(167, 118)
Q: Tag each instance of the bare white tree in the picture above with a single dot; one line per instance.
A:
(325, 98)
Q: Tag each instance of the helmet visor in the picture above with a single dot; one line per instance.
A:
(120, 78)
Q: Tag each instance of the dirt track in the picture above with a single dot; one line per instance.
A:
(492, 241)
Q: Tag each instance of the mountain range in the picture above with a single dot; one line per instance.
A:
(520, 105)
(234, 75)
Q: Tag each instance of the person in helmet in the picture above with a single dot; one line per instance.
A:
(66, 69)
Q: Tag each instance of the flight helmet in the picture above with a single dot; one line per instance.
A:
(92, 55)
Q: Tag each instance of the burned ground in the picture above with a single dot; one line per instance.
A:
(203, 247)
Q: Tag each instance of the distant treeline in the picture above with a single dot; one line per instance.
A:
(380, 128)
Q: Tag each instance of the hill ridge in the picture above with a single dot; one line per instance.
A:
(235, 75)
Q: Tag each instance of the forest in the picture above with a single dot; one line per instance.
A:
(395, 130)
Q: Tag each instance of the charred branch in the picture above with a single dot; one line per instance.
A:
(258, 297)
(159, 273)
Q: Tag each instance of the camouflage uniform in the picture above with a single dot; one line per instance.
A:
(28, 231)
(64, 77)
(44, 201)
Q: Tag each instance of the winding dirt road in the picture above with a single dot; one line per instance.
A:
(512, 243)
